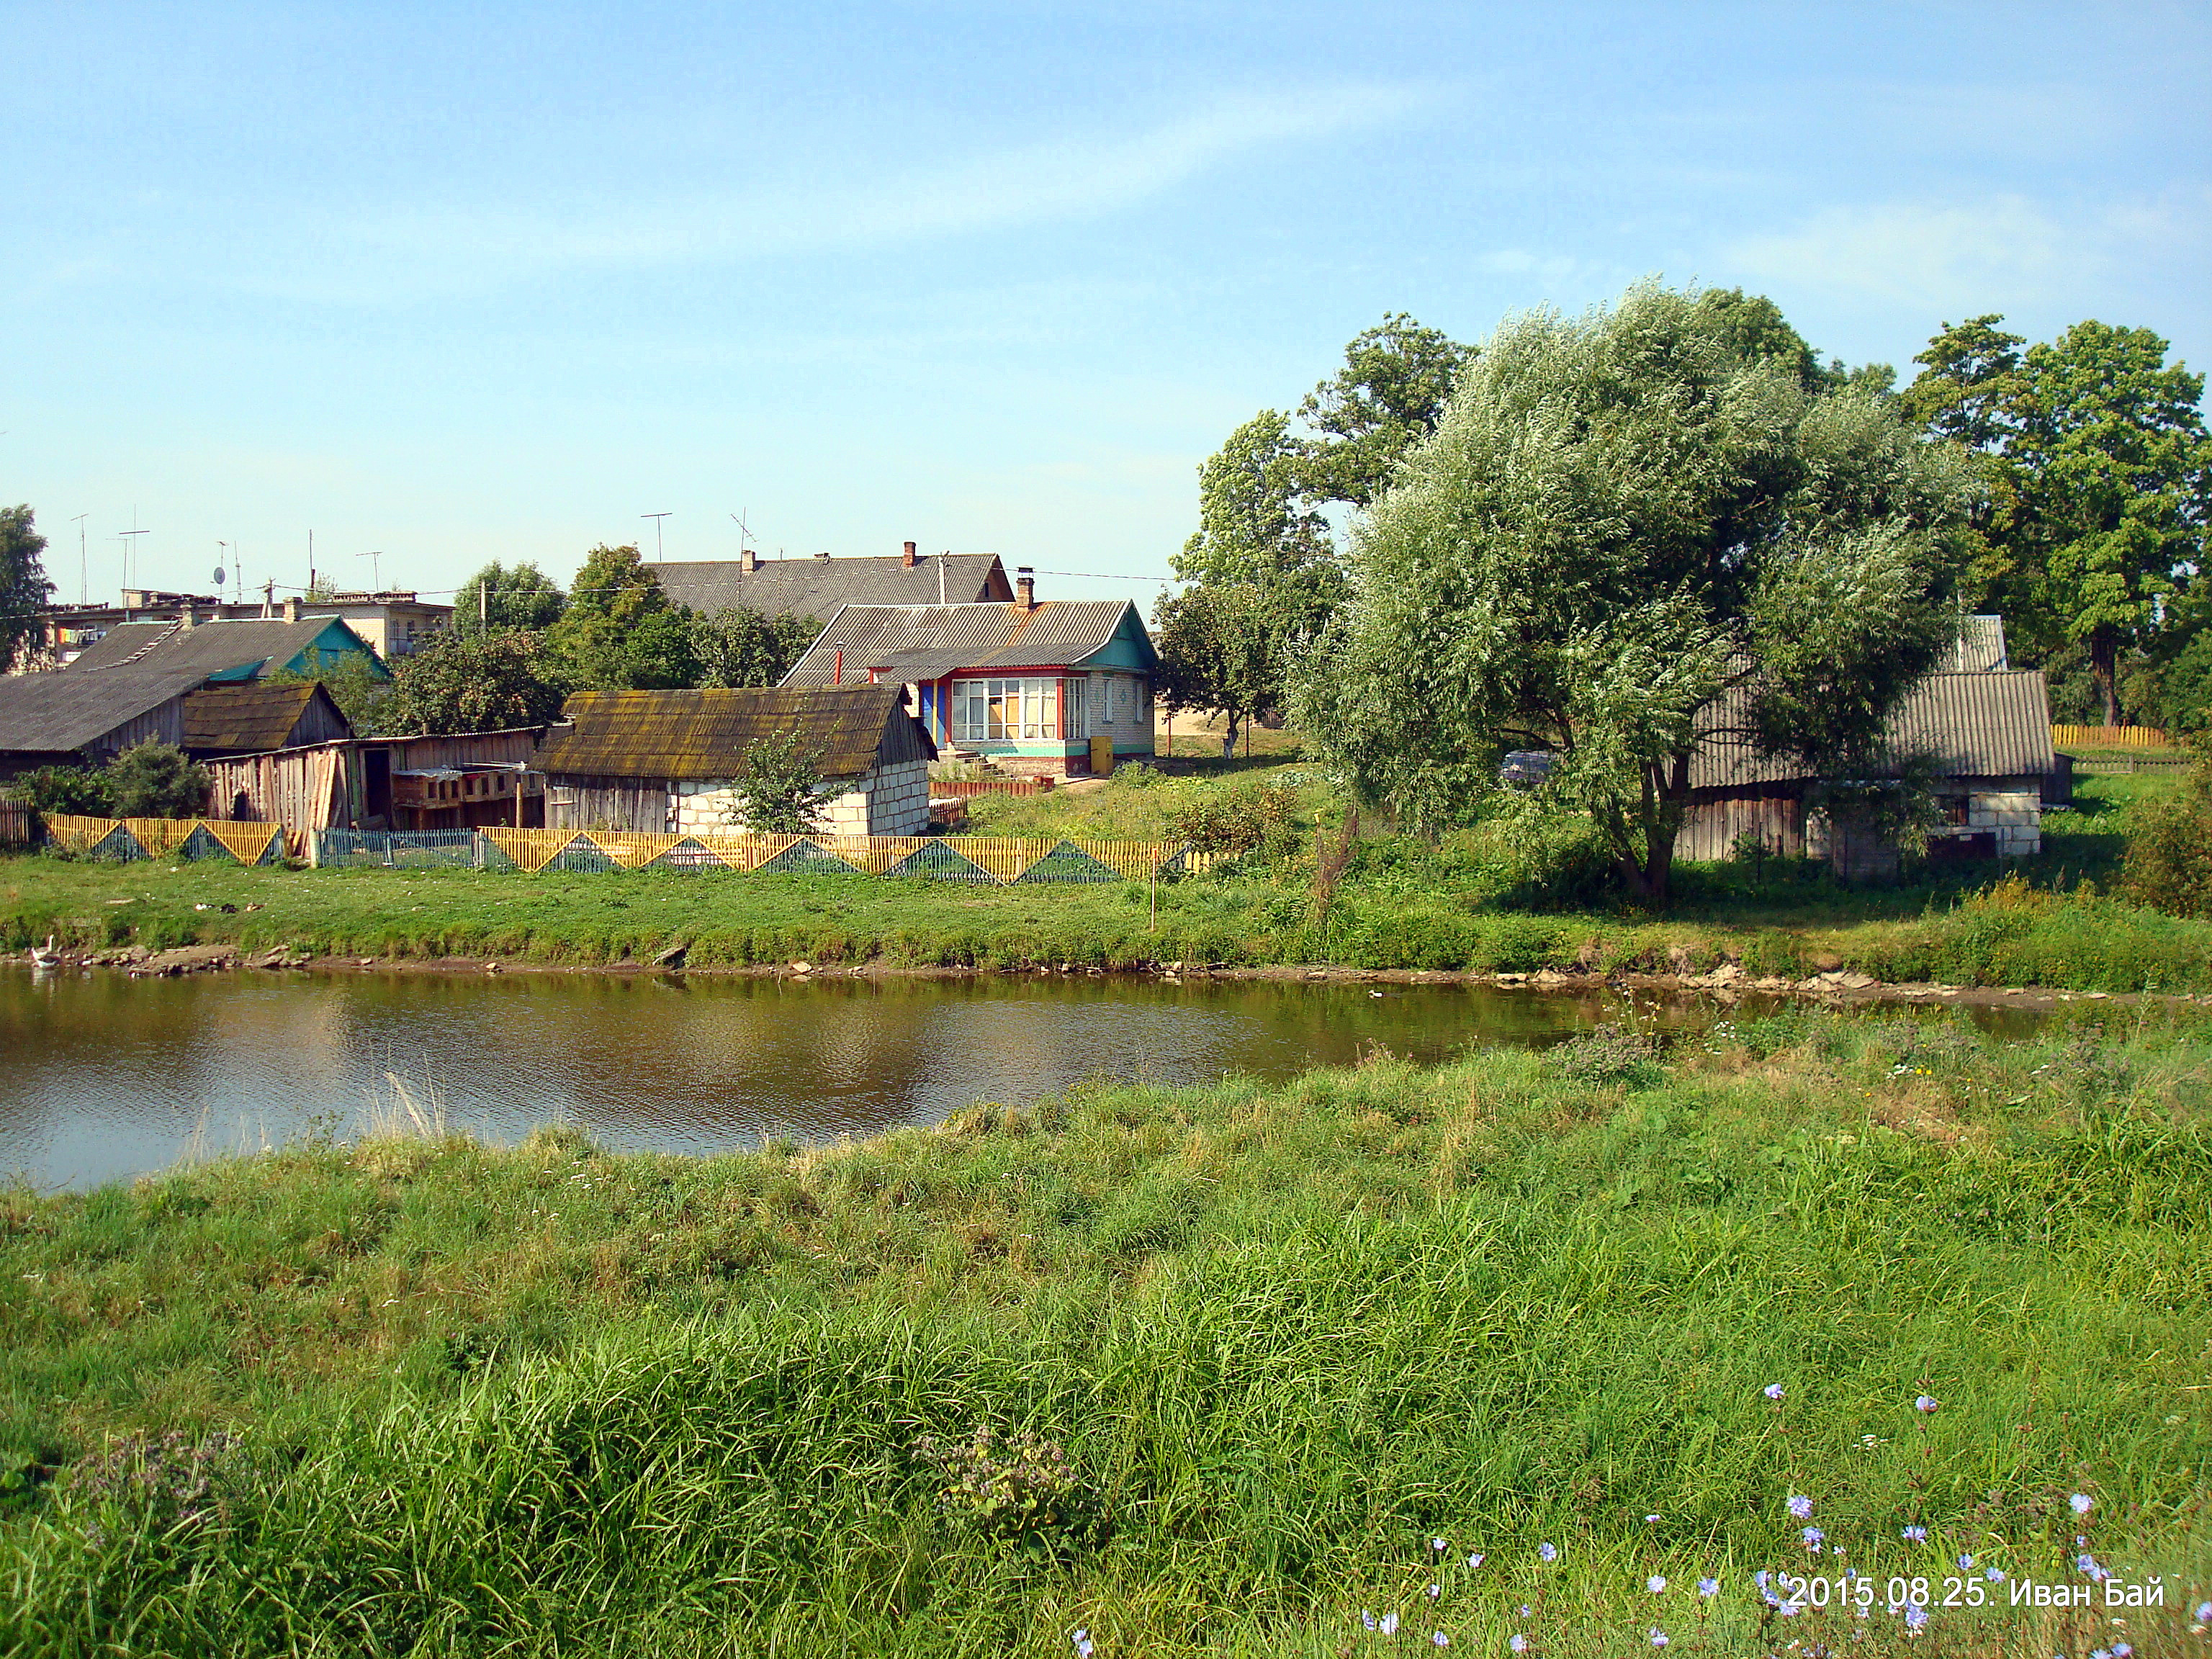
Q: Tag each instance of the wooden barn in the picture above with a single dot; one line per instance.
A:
(663, 762)
(448, 782)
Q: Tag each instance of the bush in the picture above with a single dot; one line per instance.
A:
(1237, 822)
(2169, 864)
(157, 781)
(64, 789)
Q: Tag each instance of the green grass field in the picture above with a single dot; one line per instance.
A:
(1490, 899)
(1237, 1356)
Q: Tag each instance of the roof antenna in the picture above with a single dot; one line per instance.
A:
(940, 581)
(744, 529)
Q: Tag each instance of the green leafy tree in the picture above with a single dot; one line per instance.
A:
(1622, 520)
(619, 632)
(1253, 524)
(496, 600)
(778, 792)
(72, 789)
(1227, 647)
(1394, 386)
(740, 647)
(471, 683)
(2097, 480)
(157, 781)
(358, 686)
(23, 585)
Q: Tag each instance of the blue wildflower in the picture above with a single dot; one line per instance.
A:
(1926, 1403)
(1658, 1637)
(1916, 1618)
(1547, 1552)
(1518, 1643)
(1440, 1639)
(1655, 1584)
(1390, 1625)
(1801, 1506)
(1474, 1561)
(1772, 1391)
(1813, 1536)
(1965, 1563)
(1916, 1534)
(1708, 1586)
(1995, 1574)
(2082, 1503)
(1367, 1617)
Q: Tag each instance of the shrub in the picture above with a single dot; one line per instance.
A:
(1237, 822)
(157, 781)
(1611, 1054)
(2169, 863)
(64, 789)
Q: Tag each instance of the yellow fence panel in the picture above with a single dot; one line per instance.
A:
(2108, 736)
(247, 843)
(530, 849)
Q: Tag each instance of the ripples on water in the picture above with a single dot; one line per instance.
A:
(103, 1077)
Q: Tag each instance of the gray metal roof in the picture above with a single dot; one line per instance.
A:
(816, 587)
(212, 648)
(59, 711)
(1978, 725)
(928, 641)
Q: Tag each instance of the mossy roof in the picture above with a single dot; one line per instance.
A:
(698, 736)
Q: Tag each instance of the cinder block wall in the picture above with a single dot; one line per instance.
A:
(892, 800)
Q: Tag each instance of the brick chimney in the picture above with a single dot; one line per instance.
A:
(906, 556)
(189, 616)
(748, 560)
(291, 611)
(1024, 588)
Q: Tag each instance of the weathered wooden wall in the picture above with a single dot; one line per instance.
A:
(578, 802)
(303, 789)
(1709, 831)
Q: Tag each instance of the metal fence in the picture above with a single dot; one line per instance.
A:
(990, 860)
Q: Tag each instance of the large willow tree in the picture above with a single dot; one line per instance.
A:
(1622, 520)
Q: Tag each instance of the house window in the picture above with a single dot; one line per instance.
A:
(1004, 710)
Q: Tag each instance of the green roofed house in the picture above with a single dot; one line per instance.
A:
(1041, 690)
(244, 648)
(664, 761)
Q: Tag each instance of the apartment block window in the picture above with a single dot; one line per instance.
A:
(1013, 709)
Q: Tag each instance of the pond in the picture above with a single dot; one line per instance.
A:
(103, 1077)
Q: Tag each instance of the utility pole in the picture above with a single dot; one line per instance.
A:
(656, 518)
(83, 564)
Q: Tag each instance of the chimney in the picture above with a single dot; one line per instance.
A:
(823, 556)
(189, 616)
(1024, 588)
(748, 562)
(291, 611)
(906, 557)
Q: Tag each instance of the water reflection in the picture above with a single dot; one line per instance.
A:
(103, 1077)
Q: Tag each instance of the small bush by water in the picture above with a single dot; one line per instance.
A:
(1213, 1370)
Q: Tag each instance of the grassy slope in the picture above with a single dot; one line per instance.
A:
(546, 1400)
(1465, 905)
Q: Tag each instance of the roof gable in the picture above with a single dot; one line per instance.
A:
(700, 736)
(250, 719)
(243, 649)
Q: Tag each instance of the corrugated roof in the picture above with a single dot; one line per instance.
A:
(212, 648)
(1981, 646)
(251, 718)
(816, 587)
(56, 712)
(1977, 725)
(927, 642)
(704, 735)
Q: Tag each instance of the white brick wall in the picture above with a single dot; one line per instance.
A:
(1119, 706)
(2016, 818)
(892, 800)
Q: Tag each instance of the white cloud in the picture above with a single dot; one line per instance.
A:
(1998, 253)
(871, 202)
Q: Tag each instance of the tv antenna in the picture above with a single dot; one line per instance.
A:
(375, 567)
(83, 564)
(656, 518)
(125, 535)
(744, 529)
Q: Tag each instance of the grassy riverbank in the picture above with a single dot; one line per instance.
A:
(1268, 1341)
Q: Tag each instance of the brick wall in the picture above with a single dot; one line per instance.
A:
(892, 800)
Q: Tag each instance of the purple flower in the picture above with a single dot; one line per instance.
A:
(2082, 1503)
(1518, 1643)
(1813, 1536)
(1367, 1617)
(2203, 1615)
(1995, 1574)
(1965, 1563)
(1440, 1639)
(2100, 1652)
(1926, 1403)
(1547, 1552)
(1801, 1506)
(1474, 1561)
(1772, 1391)
(1916, 1534)
(1081, 1639)
(1389, 1625)
(1437, 1545)
(1708, 1586)
(1524, 1609)
(1789, 1609)
(1762, 1578)
(1655, 1584)
(1658, 1638)
(1648, 1519)
(2121, 1650)
(1916, 1618)
(1434, 1590)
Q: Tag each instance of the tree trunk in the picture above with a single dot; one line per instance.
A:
(2104, 667)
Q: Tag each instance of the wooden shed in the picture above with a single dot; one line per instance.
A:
(256, 717)
(663, 762)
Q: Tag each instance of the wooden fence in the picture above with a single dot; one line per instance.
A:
(994, 861)
(969, 789)
(2108, 737)
(129, 839)
(18, 825)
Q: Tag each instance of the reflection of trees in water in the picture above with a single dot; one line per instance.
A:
(128, 1068)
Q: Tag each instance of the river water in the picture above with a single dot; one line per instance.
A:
(103, 1077)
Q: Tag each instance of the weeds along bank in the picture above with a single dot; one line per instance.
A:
(1402, 913)
(1210, 1371)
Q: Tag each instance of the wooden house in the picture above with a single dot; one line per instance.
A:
(1041, 690)
(664, 761)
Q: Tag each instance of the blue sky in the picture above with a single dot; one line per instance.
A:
(457, 283)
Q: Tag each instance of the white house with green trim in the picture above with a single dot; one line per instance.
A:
(1038, 688)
